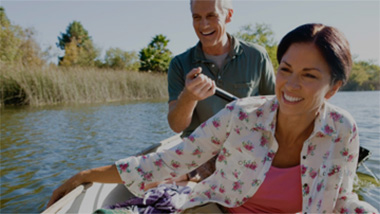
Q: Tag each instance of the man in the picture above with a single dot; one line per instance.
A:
(218, 59)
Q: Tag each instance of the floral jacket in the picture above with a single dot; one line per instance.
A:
(242, 135)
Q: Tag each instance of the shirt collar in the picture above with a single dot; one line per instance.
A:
(235, 50)
(324, 125)
(267, 122)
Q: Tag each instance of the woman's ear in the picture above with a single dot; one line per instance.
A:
(335, 88)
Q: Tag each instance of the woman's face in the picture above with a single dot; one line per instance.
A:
(303, 81)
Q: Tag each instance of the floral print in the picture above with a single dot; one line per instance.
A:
(242, 135)
(248, 145)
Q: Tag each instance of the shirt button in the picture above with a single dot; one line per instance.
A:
(212, 65)
(219, 77)
(304, 157)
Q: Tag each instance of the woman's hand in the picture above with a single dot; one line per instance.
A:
(104, 174)
(65, 188)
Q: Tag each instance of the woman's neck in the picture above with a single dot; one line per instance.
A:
(294, 129)
(291, 133)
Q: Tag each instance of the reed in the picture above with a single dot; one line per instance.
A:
(37, 86)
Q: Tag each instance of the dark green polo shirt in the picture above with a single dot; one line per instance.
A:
(247, 71)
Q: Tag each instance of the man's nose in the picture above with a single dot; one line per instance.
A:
(204, 22)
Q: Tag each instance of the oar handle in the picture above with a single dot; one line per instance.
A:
(225, 95)
(222, 93)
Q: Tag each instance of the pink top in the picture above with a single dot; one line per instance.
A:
(280, 193)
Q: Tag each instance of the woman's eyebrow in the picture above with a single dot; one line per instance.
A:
(305, 69)
(311, 69)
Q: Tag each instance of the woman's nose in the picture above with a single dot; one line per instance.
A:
(293, 83)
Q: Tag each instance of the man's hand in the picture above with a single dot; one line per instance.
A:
(198, 86)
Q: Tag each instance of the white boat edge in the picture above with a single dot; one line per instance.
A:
(89, 197)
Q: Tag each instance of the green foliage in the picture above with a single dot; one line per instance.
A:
(263, 35)
(18, 45)
(364, 76)
(156, 57)
(4, 21)
(78, 46)
(74, 30)
(116, 58)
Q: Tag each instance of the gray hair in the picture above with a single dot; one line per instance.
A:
(226, 4)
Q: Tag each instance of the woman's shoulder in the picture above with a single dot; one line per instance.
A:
(339, 117)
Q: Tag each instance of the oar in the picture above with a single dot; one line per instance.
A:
(225, 95)
(364, 153)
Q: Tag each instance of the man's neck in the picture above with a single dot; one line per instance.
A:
(219, 49)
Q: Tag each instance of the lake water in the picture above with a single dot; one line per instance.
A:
(41, 147)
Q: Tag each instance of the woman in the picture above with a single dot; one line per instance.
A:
(289, 153)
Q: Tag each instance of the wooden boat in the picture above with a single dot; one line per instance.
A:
(90, 197)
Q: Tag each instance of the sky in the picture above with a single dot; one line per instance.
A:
(131, 24)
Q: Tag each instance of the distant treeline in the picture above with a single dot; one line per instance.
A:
(27, 78)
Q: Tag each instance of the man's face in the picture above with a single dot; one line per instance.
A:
(209, 22)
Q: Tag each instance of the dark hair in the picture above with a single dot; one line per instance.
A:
(332, 44)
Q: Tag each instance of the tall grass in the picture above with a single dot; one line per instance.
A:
(51, 85)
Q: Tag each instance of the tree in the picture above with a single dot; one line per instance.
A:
(364, 76)
(116, 58)
(78, 46)
(156, 57)
(260, 34)
(18, 45)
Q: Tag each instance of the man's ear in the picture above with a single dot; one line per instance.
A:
(335, 88)
(229, 15)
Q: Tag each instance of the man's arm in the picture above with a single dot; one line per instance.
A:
(268, 77)
(197, 87)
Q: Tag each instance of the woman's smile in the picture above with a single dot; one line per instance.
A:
(291, 99)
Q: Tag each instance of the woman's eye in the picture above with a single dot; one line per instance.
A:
(310, 76)
(284, 70)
